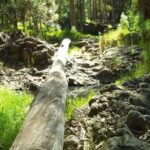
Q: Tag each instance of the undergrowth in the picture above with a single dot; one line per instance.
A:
(13, 108)
(142, 67)
(74, 103)
(59, 35)
(113, 37)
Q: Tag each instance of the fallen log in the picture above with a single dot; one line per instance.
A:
(43, 128)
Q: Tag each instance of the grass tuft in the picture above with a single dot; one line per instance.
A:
(13, 108)
(79, 102)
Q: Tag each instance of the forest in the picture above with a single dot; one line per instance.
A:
(74, 75)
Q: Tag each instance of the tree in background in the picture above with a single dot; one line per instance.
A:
(42, 14)
(37, 13)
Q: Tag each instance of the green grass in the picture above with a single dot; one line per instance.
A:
(13, 108)
(78, 102)
(113, 37)
(73, 50)
(52, 34)
(59, 35)
(142, 67)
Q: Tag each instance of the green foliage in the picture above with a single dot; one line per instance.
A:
(130, 19)
(73, 50)
(74, 103)
(113, 37)
(59, 35)
(124, 23)
(27, 11)
(13, 108)
(142, 67)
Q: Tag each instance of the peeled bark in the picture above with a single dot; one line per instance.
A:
(43, 128)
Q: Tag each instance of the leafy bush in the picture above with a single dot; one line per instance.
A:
(13, 108)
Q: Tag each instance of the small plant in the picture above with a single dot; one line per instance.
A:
(13, 108)
(72, 104)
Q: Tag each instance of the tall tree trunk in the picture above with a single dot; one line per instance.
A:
(43, 128)
(113, 12)
(15, 20)
(81, 14)
(36, 28)
(105, 11)
(72, 13)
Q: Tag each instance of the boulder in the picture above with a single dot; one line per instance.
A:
(3, 38)
(135, 121)
(2, 41)
(126, 141)
(106, 76)
(82, 43)
(71, 142)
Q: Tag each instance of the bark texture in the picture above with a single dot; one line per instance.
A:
(43, 128)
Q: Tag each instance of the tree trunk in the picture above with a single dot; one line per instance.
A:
(72, 13)
(105, 11)
(43, 128)
(113, 12)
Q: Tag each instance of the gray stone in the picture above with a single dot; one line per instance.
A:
(135, 121)
(106, 76)
(126, 141)
(71, 142)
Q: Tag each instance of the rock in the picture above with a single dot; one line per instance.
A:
(2, 41)
(122, 95)
(135, 121)
(14, 48)
(126, 141)
(144, 85)
(26, 55)
(147, 79)
(112, 144)
(40, 47)
(29, 44)
(33, 40)
(109, 88)
(86, 65)
(3, 38)
(96, 108)
(71, 142)
(137, 100)
(34, 88)
(106, 76)
(82, 43)
(28, 49)
(142, 110)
